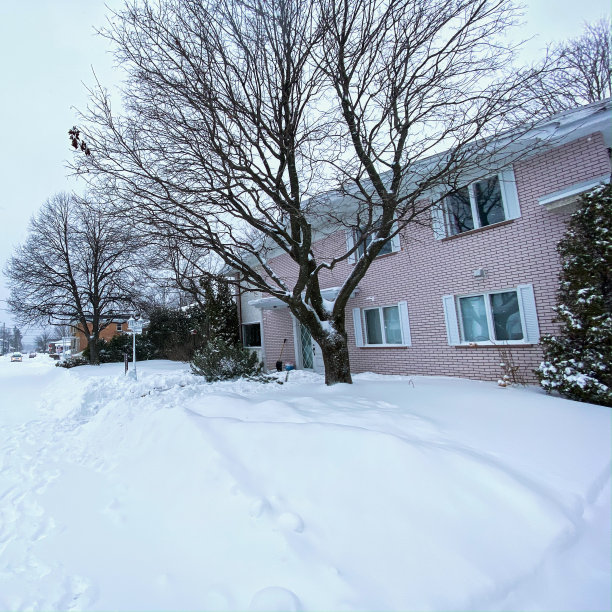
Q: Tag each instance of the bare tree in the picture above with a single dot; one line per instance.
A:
(42, 341)
(580, 70)
(73, 268)
(253, 128)
(174, 272)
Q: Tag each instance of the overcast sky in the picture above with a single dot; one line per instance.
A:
(48, 50)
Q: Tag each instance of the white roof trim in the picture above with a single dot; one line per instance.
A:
(268, 303)
(569, 194)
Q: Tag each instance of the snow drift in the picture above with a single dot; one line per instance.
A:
(390, 494)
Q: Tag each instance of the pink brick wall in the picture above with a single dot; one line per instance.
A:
(516, 252)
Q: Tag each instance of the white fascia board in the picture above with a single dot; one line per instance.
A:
(267, 303)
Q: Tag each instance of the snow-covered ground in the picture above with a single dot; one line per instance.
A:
(390, 494)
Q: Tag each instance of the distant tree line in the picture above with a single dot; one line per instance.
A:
(177, 333)
(10, 340)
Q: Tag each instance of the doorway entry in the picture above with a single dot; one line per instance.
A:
(309, 356)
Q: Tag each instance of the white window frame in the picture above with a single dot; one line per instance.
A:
(527, 313)
(352, 239)
(260, 334)
(360, 326)
(118, 327)
(510, 203)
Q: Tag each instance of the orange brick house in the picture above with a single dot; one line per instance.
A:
(112, 329)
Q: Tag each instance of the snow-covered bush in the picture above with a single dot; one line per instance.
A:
(72, 362)
(220, 360)
(578, 360)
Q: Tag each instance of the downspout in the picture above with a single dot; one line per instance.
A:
(239, 304)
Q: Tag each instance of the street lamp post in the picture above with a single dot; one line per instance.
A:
(135, 326)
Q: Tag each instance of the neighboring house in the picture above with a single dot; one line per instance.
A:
(112, 329)
(441, 300)
(57, 347)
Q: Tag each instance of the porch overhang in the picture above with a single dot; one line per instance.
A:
(561, 200)
(269, 303)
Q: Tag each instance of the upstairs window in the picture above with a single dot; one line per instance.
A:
(480, 204)
(386, 249)
(477, 205)
(392, 245)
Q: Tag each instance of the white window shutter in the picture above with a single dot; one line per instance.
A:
(395, 241)
(530, 316)
(437, 221)
(358, 328)
(450, 317)
(507, 183)
(350, 243)
(405, 323)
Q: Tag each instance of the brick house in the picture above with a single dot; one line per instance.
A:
(112, 329)
(442, 299)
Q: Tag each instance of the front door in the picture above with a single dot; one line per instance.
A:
(310, 356)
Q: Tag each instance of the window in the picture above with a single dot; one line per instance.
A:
(391, 246)
(507, 316)
(251, 335)
(495, 316)
(479, 204)
(386, 249)
(119, 326)
(382, 326)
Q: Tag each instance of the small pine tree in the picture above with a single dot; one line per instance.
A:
(178, 333)
(220, 360)
(169, 332)
(221, 311)
(226, 323)
(578, 361)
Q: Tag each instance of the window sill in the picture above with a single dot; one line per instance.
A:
(478, 230)
(510, 344)
(384, 346)
(383, 256)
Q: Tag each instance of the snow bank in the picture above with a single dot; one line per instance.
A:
(390, 494)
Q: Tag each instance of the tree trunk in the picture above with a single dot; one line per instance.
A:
(336, 359)
(93, 350)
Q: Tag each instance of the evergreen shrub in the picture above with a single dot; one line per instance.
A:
(220, 360)
(178, 333)
(578, 360)
(113, 350)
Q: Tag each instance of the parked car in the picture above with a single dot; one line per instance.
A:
(16, 357)
(31, 355)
